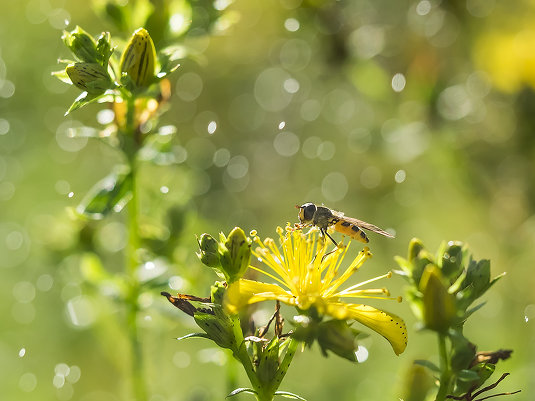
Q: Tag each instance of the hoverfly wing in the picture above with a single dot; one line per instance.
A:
(367, 226)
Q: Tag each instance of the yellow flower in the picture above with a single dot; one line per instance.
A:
(308, 276)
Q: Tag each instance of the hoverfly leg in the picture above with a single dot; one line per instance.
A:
(325, 233)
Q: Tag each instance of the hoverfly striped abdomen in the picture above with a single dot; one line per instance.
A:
(351, 230)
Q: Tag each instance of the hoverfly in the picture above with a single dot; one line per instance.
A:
(323, 217)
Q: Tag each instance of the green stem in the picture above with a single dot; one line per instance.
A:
(263, 393)
(138, 381)
(445, 376)
(241, 354)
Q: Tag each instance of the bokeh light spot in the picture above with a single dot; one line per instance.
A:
(370, 177)
(4, 126)
(310, 109)
(44, 282)
(28, 382)
(423, 7)
(286, 143)
(81, 312)
(400, 176)
(326, 150)
(398, 82)
(310, 147)
(291, 24)
(212, 126)
(269, 89)
(105, 116)
(189, 86)
(367, 41)
(221, 157)
(181, 359)
(238, 167)
(24, 292)
(112, 237)
(334, 186)
(362, 354)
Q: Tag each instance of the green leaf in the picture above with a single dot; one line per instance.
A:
(427, 364)
(467, 375)
(108, 195)
(194, 335)
(84, 99)
(268, 362)
(287, 394)
(241, 390)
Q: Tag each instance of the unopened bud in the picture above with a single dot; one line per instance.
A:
(235, 254)
(90, 77)
(81, 44)
(208, 250)
(139, 58)
(438, 304)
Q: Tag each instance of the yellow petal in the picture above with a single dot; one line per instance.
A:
(246, 292)
(388, 325)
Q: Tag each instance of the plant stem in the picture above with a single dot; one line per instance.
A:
(445, 376)
(241, 352)
(138, 381)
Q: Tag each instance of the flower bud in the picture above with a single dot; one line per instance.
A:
(268, 361)
(235, 254)
(336, 336)
(438, 304)
(208, 251)
(139, 58)
(217, 325)
(81, 44)
(90, 77)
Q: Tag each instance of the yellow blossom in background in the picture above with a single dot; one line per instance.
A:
(308, 276)
(508, 58)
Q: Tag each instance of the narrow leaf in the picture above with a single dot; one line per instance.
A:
(194, 335)
(429, 365)
(108, 195)
(287, 394)
(467, 375)
(84, 99)
(241, 390)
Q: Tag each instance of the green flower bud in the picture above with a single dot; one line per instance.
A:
(90, 77)
(439, 308)
(415, 246)
(139, 58)
(336, 336)
(450, 259)
(217, 325)
(235, 254)
(81, 44)
(208, 251)
(268, 361)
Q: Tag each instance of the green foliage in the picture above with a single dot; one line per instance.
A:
(229, 257)
(111, 194)
(441, 290)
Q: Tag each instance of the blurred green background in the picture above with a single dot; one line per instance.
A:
(417, 116)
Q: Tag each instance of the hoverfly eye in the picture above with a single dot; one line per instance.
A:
(307, 212)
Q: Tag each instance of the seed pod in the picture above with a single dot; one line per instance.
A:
(90, 77)
(139, 58)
